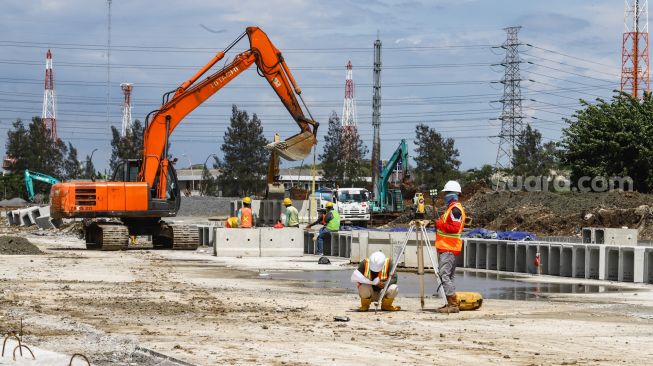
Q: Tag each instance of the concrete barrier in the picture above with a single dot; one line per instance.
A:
(10, 218)
(284, 242)
(237, 242)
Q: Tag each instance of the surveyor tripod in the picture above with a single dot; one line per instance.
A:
(422, 241)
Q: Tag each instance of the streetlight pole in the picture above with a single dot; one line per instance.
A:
(192, 180)
(202, 181)
(91, 161)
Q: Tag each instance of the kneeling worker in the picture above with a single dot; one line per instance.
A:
(371, 276)
(292, 215)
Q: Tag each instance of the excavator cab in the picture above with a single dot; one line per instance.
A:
(127, 171)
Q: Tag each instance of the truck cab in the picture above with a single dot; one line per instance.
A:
(352, 204)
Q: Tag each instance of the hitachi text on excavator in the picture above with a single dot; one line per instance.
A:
(144, 191)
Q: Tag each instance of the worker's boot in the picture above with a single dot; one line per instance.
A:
(451, 307)
(386, 305)
(365, 305)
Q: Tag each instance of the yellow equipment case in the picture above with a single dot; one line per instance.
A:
(469, 300)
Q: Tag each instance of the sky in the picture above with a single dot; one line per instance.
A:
(440, 65)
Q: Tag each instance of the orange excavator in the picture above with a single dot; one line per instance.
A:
(144, 191)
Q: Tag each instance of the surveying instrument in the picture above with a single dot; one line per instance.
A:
(422, 241)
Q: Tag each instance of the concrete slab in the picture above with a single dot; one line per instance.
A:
(44, 222)
(639, 265)
(237, 242)
(284, 242)
(626, 264)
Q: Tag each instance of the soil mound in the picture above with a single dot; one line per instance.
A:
(562, 214)
(15, 245)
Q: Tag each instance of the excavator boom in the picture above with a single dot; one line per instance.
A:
(143, 191)
(191, 94)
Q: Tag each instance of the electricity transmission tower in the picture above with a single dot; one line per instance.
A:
(349, 122)
(634, 52)
(511, 112)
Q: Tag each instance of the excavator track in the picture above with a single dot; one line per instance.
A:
(186, 237)
(177, 237)
(108, 237)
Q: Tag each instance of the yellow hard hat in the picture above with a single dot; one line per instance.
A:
(287, 201)
(247, 200)
(329, 205)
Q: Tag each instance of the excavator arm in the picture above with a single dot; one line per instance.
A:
(30, 177)
(191, 94)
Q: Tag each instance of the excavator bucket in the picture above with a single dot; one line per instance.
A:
(296, 147)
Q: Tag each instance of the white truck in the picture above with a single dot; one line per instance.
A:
(352, 204)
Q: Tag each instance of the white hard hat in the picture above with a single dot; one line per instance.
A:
(452, 186)
(377, 260)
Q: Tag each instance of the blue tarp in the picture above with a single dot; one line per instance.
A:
(501, 235)
(473, 233)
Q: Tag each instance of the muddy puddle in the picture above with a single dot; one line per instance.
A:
(490, 285)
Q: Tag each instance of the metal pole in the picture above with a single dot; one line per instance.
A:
(420, 264)
(202, 181)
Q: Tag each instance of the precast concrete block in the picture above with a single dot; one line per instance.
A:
(520, 258)
(26, 217)
(592, 261)
(648, 265)
(344, 244)
(18, 220)
(237, 242)
(410, 254)
(511, 255)
(566, 260)
(543, 249)
(579, 261)
(44, 210)
(492, 255)
(626, 264)
(284, 242)
(34, 212)
(470, 253)
(639, 263)
(555, 253)
(501, 256)
(56, 222)
(335, 248)
(532, 248)
(358, 246)
(379, 241)
(308, 242)
(609, 257)
(43, 222)
(481, 255)
(10, 218)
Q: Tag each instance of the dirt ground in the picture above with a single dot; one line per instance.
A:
(561, 214)
(208, 311)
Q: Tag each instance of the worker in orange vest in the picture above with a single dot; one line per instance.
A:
(245, 216)
(370, 277)
(448, 242)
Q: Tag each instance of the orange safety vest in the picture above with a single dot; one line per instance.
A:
(451, 242)
(246, 217)
(383, 276)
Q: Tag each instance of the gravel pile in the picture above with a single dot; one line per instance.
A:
(205, 206)
(15, 245)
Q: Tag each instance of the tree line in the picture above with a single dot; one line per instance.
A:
(605, 138)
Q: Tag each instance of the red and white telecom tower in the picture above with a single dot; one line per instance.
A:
(49, 113)
(634, 53)
(126, 107)
(349, 121)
